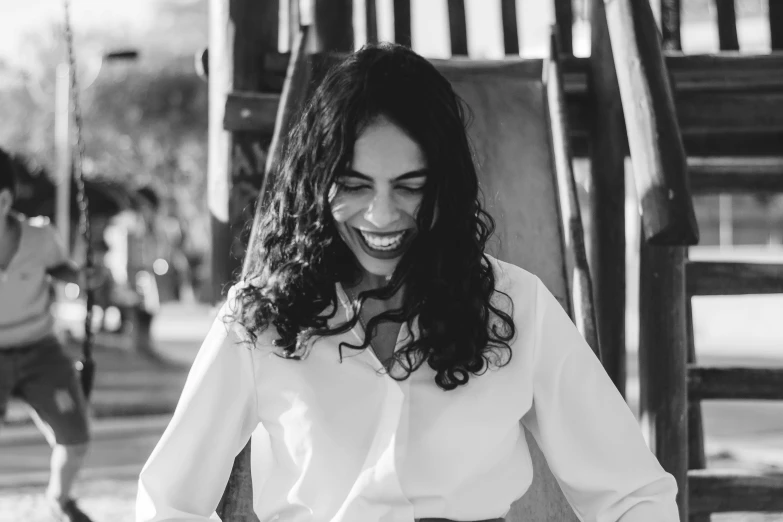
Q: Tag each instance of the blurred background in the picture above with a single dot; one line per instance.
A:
(145, 110)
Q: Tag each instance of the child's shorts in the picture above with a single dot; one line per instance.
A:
(43, 375)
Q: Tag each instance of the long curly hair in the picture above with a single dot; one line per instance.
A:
(300, 256)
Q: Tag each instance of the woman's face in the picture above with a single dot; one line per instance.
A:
(375, 202)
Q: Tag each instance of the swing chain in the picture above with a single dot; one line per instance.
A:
(78, 178)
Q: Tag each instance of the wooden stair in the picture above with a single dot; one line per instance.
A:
(714, 490)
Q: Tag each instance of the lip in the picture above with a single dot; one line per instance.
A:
(392, 254)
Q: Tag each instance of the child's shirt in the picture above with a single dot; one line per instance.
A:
(25, 299)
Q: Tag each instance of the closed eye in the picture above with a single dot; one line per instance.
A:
(412, 189)
(348, 187)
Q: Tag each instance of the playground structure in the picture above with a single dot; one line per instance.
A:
(691, 124)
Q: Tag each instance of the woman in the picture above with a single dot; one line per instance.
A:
(382, 358)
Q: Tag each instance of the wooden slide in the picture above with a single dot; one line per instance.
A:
(517, 132)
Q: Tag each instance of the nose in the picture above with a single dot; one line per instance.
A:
(382, 211)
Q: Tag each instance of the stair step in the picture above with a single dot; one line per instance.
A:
(715, 175)
(724, 491)
(731, 278)
(735, 383)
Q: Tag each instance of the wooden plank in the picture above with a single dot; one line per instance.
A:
(663, 346)
(458, 29)
(250, 111)
(564, 20)
(721, 491)
(655, 142)
(727, 71)
(697, 458)
(607, 170)
(718, 175)
(775, 14)
(508, 14)
(727, 25)
(371, 19)
(719, 112)
(670, 25)
(578, 276)
(402, 22)
(735, 383)
(333, 26)
(729, 278)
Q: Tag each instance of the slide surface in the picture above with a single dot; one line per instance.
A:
(509, 130)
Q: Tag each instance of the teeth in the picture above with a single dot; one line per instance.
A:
(383, 242)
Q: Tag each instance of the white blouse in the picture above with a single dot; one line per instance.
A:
(344, 442)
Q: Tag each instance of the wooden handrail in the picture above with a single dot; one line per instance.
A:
(578, 279)
(654, 137)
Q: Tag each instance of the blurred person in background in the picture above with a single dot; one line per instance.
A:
(33, 363)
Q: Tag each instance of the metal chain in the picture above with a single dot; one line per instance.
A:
(78, 176)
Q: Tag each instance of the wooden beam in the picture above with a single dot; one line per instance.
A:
(578, 276)
(402, 22)
(251, 111)
(735, 383)
(727, 25)
(723, 491)
(776, 24)
(716, 112)
(458, 30)
(719, 175)
(657, 150)
(564, 19)
(333, 26)
(729, 278)
(508, 12)
(371, 18)
(697, 458)
(670, 25)
(605, 123)
(663, 347)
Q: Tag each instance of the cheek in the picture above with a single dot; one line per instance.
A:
(344, 207)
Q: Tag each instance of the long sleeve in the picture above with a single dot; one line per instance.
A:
(588, 434)
(187, 471)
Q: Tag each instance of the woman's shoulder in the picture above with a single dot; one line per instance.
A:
(230, 314)
(513, 280)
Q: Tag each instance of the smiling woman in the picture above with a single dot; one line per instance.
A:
(386, 363)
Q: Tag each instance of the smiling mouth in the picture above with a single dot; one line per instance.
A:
(383, 243)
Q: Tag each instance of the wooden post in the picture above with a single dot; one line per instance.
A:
(662, 355)
(402, 22)
(371, 14)
(458, 29)
(607, 165)
(670, 25)
(241, 33)
(776, 24)
(332, 26)
(564, 18)
(727, 25)
(508, 11)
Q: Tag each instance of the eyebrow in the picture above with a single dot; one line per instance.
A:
(419, 173)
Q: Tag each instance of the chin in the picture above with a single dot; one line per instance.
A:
(379, 267)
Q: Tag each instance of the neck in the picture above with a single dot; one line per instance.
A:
(370, 281)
